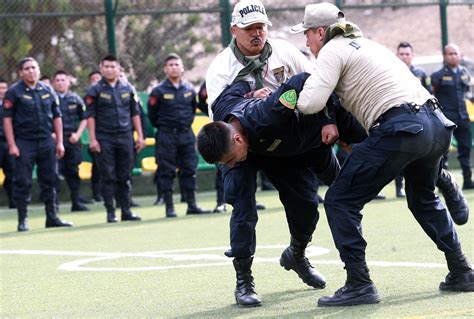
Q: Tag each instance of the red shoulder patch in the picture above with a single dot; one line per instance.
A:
(152, 100)
(7, 104)
(89, 100)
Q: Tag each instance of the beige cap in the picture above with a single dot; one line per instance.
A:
(247, 12)
(318, 15)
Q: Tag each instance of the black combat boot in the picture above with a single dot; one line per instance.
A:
(399, 189)
(220, 208)
(109, 206)
(294, 258)
(52, 219)
(78, 204)
(22, 219)
(358, 290)
(454, 197)
(467, 177)
(127, 214)
(168, 198)
(194, 209)
(245, 294)
(460, 276)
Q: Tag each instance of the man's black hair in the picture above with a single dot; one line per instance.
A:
(60, 72)
(2, 80)
(44, 77)
(92, 73)
(22, 62)
(172, 56)
(405, 44)
(213, 141)
(109, 57)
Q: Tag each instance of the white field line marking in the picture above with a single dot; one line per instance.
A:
(208, 259)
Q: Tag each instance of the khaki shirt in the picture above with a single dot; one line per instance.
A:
(367, 77)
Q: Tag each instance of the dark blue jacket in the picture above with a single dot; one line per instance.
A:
(272, 128)
(450, 88)
(172, 107)
(72, 108)
(32, 110)
(112, 107)
(421, 75)
(2, 133)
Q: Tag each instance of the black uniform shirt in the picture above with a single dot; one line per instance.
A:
(272, 128)
(72, 108)
(2, 133)
(450, 90)
(32, 110)
(421, 75)
(112, 107)
(172, 107)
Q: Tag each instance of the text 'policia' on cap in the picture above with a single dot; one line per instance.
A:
(248, 12)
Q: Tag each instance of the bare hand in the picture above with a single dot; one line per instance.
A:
(329, 134)
(139, 145)
(59, 150)
(261, 93)
(14, 151)
(94, 146)
(74, 138)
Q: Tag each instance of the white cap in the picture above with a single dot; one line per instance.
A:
(247, 12)
(318, 15)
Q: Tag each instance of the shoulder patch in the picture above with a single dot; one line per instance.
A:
(289, 99)
(89, 100)
(7, 104)
(355, 44)
(152, 100)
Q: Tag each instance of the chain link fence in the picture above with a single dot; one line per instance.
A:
(72, 35)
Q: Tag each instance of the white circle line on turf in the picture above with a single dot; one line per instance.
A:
(209, 260)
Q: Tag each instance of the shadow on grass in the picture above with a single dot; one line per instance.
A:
(100, 225)
(270, 303)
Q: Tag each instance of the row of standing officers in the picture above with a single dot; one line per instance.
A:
(42, 125)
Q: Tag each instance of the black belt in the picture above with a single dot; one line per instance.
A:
(431, 104)
(173, 129)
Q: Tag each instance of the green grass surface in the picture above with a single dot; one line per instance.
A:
(156, 268)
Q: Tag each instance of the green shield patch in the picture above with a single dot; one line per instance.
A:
(289, 99)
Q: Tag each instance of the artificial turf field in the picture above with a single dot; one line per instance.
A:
(175, 267)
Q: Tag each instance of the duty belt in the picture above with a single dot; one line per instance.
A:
(431, 104)
(173, 130)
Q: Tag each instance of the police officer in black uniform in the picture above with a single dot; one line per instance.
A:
(450, 85)
(455, 200)
(72, 108)
(6, 161)
(31, 113)
(269, 135)
(171, 108)
(95, 77)
(112, 113)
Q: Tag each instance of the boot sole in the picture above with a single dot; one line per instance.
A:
(362, 300)
(288, 268)
(248, 305)
(461, 287)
